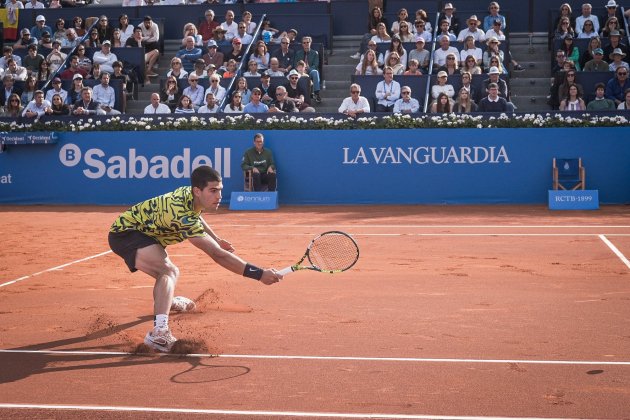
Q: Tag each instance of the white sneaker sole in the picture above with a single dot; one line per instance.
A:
(182, 304)
(157, 346)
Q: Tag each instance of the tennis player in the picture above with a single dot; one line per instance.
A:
(141, 234)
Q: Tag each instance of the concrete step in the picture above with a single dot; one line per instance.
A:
(531, 103)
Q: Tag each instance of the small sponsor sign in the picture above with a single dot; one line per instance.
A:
(254, 201)
(28, 138)
(573, 200)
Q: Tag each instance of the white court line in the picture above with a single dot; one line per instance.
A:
(262, 413)
(439, 226)
(59, 267)
(615, 250)
(325, 358)
(463, 234)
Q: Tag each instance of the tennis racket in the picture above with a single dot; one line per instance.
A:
(330, 252)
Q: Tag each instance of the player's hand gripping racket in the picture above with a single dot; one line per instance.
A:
(330, 252)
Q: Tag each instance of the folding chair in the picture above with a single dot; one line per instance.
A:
(568, 174)
(249, 182)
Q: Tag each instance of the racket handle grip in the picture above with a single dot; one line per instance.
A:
(285, 271)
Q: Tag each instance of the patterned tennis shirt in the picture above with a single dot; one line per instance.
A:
(169, 218)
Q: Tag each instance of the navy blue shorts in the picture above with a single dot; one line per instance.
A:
(125, 244)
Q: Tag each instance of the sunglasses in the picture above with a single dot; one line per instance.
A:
(450, 58)
(354, 91)
(405, 93)
(15, 100)
(622, 74)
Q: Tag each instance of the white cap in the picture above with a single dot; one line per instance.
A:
(40, 18)
(494, 70)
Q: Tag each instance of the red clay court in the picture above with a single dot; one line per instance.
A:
(466, 312)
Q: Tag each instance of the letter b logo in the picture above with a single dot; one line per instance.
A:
(70, 155)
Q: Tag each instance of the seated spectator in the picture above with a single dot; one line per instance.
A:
(207, 27)
(86, 105)
(494, 77)
(215, 88)
(470, 65)
(213, 56)
(13, 108)
(496, 31)
(403, 18)
(230, 69)
(588, 31)
(56, 58)
(246, 19)
(493, 102)
(28, 93)
(105, 58)
(150, 34)
(442, 86)
(105, 95)
(229, 25)
(396, 47)
(151, 56)
(126, 30)
(285, 56)
(191, 30)
(448, 14)
(422, 32)
(235, 106)
(472, 30)
(37, 107)
(614, 43)
(625, 105)
(177, 71)
(40, 27)
(381, 34)
(612, 24)
(105, 30)
(8, 88)
(371, 46)
(170, 94)
(241, 87)
(95, 74)
(495, 62)
(612, 11)
(32, 60)
(465, 102)
(210, 107)
(405, 34)
(423, 16)
(255, 105)
(413, 68)
(156, 107)
(597, 63)
(573, 101)
(565, 12)
(78, 25)
(74, 94)
(470, 49)
(17, 72)
(617, 86)
(406, 104)
(281, 103)
(199, 69)
(85, 63)
(117, 41)
(189, 54)
(184, 106)
(259, 160)
(442, 104)
(617, 57)
(92, 41)
(296, 94)
(237, 51)
(126, 83)
(58, 105)
(587, 55)
(57, 90)
(586, 15)
(60, 30)
(311, 58)
(601, 103)
(71, 39)
(467, 83)
(194, 91)
(243, 35)
(261, 56)
(268, 92)
(445, 30)
(25, 40)
(387, 91)
(46, 40)
(451, 67)
(421, 55)
(439, 55)
(7, 54)
(571, 51)
(492, 50)
(219, 37)
(393, 61)
(274, 68)
(252, 69)
(355, 104)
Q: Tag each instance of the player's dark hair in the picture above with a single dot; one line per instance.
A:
(202, 175)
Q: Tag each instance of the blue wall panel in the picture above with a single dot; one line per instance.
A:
(321, 167)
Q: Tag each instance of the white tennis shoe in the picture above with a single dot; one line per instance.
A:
(160, 340)
(182, 304)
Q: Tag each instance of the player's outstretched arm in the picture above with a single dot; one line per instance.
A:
(222, 242)
(233, 262)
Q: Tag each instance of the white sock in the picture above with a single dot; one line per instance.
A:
(161, 322)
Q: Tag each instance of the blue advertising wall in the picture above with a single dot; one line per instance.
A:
(454, 166)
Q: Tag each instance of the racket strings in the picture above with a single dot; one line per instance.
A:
(333, 252)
